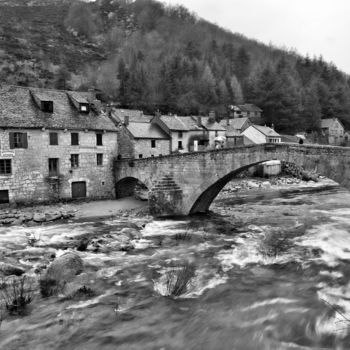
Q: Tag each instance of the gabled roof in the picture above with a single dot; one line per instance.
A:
(191, 123)
(237, 123)
(133, 114)
(173, 123)
(19, 110)
(326, 123)
(248, 107)
(146, 131)
(211, 126)
(266, 130)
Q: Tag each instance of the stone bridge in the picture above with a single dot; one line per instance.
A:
(187, 183)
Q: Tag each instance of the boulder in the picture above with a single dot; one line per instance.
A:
(65, 267)
(53, 216)
(8, 270)
(39, 217)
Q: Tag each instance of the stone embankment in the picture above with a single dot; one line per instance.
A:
(31, 216)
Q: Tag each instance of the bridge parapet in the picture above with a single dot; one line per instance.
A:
(199, 176)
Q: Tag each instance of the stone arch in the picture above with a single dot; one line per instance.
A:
(203, 202)
(126, 186)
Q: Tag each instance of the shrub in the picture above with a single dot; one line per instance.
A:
(178, 279)
(274, 244)
(16, 295)
(183, 236)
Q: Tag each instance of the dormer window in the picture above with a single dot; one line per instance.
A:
(79, 102)
(46, 106)
(43, 101)
(84, 108)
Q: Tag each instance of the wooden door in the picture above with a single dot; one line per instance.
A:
(79, 189)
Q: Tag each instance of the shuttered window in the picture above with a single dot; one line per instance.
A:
(74, 139)
(18, 140)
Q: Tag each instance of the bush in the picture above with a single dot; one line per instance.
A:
(274, 244)
(17, 295)
(184, 236)
(178, 279)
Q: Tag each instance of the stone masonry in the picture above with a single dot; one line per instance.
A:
(202, 175)
(29, 180)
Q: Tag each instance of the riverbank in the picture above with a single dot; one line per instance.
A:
(77, 211)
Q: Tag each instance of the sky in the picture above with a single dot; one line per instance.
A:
(314, 27)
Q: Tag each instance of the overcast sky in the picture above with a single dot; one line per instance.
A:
(314, 27)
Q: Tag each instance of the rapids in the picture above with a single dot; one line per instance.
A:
(269, 272)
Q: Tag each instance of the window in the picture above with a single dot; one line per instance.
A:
(99, 140)
(47, 106)
(216, 133)
(99, 158)
(53, 138)
(4, 197)
(5, 167)
(179, 144)
(18, 140)
(140, 155)
(74, 160)
(53, 166)
(153, 143)
(74, 138)
(180, 135)
(84, 108)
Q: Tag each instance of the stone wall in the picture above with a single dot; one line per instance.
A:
(143, 147)
(29, 180)
(201, 175)
(126, 144)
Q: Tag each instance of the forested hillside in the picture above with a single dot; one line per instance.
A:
(144, 54)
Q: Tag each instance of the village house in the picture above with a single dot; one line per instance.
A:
(186, 133)
(257, 134)
(216, 133)
(333, 129)
(54, 145)
(247, 110)
(140, 139)
(234, 129)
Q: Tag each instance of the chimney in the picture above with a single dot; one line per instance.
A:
(126, 120)
(212, 116)
(199, 121)
(92, 95)
(228, 121)
(273, 126)
(109, 110)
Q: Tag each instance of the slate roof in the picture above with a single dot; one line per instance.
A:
(248, 107)
(266, 131)
(18, 109)
(134, 115)
(191, 123)
(173, 123)
(212, 126)
(146, 131)
(327, 123)
(237, 123)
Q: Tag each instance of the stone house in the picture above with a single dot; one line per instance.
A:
(186, 133)
(257, 134)
(141, 139)
(214, 130)
(234, 129)
(54, 145)
(248, 110)
(333, 129)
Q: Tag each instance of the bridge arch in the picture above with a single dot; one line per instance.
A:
(203, 202)
(127, 186)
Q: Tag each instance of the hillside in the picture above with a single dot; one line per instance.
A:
(147, 55)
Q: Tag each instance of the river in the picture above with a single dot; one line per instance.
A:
(267, 272)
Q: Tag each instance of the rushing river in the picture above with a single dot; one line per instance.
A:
(269, 272)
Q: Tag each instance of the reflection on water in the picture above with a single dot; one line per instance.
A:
(271, 272)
